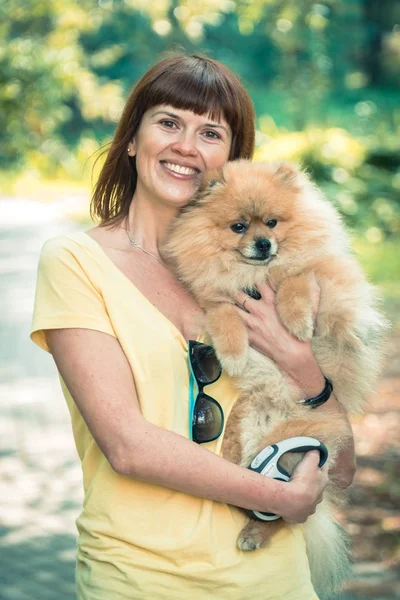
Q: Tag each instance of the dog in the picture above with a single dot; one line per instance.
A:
(252, 223)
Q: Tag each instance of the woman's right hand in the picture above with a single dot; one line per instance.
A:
(305, 489)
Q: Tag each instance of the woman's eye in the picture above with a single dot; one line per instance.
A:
(239, 227)
(272, 223)
(169, 124)
(213, 135)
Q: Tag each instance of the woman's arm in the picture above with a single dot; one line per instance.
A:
(269, 336)
(98, 376)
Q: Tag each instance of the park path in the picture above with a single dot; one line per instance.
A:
(40, 475)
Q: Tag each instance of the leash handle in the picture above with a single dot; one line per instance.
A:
(267, 463)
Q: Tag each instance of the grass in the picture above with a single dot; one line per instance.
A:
(381, 263)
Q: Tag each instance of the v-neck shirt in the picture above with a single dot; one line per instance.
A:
(138, 540)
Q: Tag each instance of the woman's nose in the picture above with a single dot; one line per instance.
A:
(185, 144)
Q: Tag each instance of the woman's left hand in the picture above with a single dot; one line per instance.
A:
(270, 337)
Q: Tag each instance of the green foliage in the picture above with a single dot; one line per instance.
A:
(361, 176)
(381, 261)
(34, 81)
(323, 76)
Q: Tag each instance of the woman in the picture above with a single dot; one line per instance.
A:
(160, 518)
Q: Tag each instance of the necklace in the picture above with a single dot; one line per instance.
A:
(136, 245)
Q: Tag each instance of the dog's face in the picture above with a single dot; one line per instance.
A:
(254, 211)
(249, 218)
(250, 233)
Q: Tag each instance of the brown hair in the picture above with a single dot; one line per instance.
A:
(193, 82)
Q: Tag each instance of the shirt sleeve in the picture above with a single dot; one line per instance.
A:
(67, 295)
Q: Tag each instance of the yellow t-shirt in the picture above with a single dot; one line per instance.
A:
(138, 540)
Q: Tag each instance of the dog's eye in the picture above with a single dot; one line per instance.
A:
(239, 227)
(272, 223)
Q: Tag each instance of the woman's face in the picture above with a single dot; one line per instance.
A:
(173, 148)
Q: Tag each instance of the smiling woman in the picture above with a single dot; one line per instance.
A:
(173, 148)
(160, 517)
(190, 83)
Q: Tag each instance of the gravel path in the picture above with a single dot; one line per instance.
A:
(40, 474)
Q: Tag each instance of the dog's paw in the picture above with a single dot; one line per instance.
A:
(294, 304)
(248, 542)
(297, 319)
(234, 365)
(303, 328)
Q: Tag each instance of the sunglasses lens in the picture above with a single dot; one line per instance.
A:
(207, 419)
(205, 364)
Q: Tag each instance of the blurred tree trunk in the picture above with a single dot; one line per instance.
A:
(377, 17)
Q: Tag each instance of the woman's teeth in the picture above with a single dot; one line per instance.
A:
(179, 169)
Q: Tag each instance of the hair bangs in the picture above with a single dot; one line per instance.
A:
(200, 89)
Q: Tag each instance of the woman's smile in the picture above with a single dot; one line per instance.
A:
(180, 171)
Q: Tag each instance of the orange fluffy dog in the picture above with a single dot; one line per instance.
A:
(259, 222)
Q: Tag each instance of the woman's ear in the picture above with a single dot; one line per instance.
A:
(132, 147)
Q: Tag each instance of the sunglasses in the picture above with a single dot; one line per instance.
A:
(206, 417)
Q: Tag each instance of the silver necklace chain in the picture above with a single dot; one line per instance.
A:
(136, 245)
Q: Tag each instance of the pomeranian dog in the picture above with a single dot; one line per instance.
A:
(267, 222)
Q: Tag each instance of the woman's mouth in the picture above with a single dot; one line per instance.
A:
(178, 170)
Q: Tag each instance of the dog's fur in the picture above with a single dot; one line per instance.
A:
(307, 244)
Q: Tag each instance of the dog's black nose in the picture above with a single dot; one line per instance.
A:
(263, 245)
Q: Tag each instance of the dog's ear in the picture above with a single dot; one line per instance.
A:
(211, 179)
(288, 173)
(207, 183)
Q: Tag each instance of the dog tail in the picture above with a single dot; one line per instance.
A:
(328, 552)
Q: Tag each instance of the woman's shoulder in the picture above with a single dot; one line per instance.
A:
(67, 240)
(71, 241)
(73, 246)
(71, 252)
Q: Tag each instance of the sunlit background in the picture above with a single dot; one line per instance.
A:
(325, 81)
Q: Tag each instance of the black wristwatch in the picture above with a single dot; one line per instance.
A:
(321, 398)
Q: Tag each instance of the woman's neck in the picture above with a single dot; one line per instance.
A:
(148, 223)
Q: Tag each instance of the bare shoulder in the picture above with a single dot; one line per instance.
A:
(112, 240)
